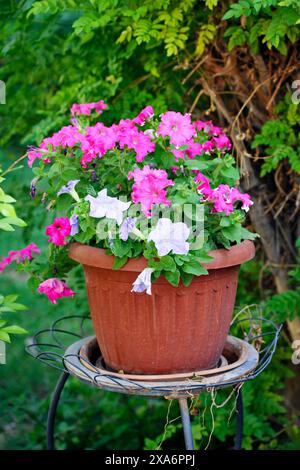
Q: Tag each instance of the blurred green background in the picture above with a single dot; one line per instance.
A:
(178, 55)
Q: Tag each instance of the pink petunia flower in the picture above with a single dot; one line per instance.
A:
(146, 114)
(32, 156)
(176, 126)
(97, 141)
(54, 289)
(203, 125)
(6, 261)
(215, 130)
(194, 149)
(149, 188)
(101, 138)
(19, 256)
(86, 108)
(137, 141)
(223, 197)
(208, 146)
(222, 142)
(58, 231)
(36, 153)
(204, 186)
(67, 136)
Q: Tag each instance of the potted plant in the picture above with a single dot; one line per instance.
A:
(150, 208)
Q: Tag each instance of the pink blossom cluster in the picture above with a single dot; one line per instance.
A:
(181, 131)
(132, 138)
(177, 127)
(59, 231)
(96, 142)
(223, 197)
(149, 188)
(219, 139)
(146, 114)
(54, 289)
(86, 108)
(98, 139)
(19, 255)
(67, 136)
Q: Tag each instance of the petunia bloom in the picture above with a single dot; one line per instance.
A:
(204, 126)
(36, 153)
(106, 206)
(149, 188)
(223, 197)
(32, 155)
(69, 188)
(54, 289)
(86, 108)
(204, 186)
(74, 224)
(19, 256)
(146, 114)
(143, 281)
(137, 141)
(222, 142)
(176, 126)
(58, 231)
(127, 227)
(170, 237)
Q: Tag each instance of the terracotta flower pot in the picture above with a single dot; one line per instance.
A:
(176, 329)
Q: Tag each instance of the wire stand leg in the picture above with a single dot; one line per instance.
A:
(240, 420)
(186, 423)
(52, 409)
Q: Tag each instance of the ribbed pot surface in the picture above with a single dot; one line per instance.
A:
(176, 329)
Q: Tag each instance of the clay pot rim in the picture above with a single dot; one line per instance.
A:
(96, 257)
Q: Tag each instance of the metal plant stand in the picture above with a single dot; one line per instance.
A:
(56, 347)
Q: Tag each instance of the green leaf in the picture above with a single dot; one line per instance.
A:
(165, 263)
(6, 226)
(172, 277)
(120, 262)
(231, 172)
(247, 235)
(14, 329)
(120, 248)
(4, 336)
(204, 258)
(15, 221)
(55, 170)
(193, 267)
(225, 221)
(10, 298)
(7, 210)
(186, 278)
(196, 165)
(233, 233)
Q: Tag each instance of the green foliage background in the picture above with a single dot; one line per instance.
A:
(131, 54)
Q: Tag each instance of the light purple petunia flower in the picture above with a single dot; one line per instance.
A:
(69, 188)
(126, 228)
(74, 224)
(106, 206)
(170, 237)
(143, 281)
